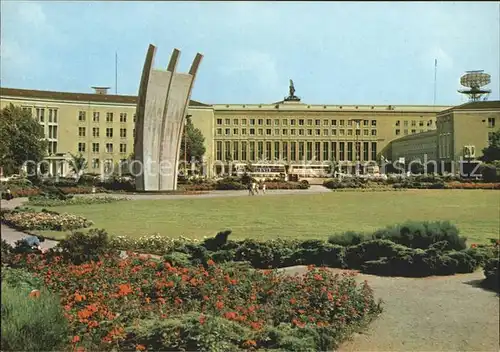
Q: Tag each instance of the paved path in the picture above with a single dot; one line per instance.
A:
(440, 313)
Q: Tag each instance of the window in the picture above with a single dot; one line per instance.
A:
(309, 147)
(285, 151)
(252, 131)
(349, 151)
(421, 131)
(406, 132)
(398, 132)
(219, 121)
(341, 151)
(334, 132)
(135, 118)
(413, 123)
(244, 122)
(318, 122)
(27, 109)
(301, 132)
(109, 132)
(366, 132)
(421, 123)
(349, 123)
(260, 122)
(227, 131)
(81, 116)
(81, 147)
(235, 122)
(413, 131)
(268, 131)
(365, 151)
(252, 122)
(342, 122)
(293, 148)
(95, 118)
(244, 131)
(490, 137)
(333, 151)
(52, 147)
(309, 122)
(252, 151)
(284, 131)
(243, 151)
(268, 122)
(81, 131)
(398, 123)
(95, 163)
(235, 131)
(293, 132)
(334, 122)
(227, 121)
(123, 117)
(374, 123)
(284, 122)
(341, 132)
(260, 131)
(276, 122)
(325, 122)
(95, 147)
(123, 148)
(365, 122)
(260, 150)
(40, 114)
(318, 132)
(218, 149)
(405, 123)
(325, 132)
(123, 132)
(219, 131)
(309, 132)
(53, 132)
(325, 151)
(374, 132)
(358, 132)
(292, 122)
(317, 150)
(374, 150)
(95, 132)
(491, 122)
(109, 147)
(301, 122)
(50, 114)
(349, 132)
(109, 117)
(276, 131)
(235, 151)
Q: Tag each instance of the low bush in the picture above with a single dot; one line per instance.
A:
(32, 321)
(491, 271)
(23, 192)
(153, 244)
(195, 308)
(348, 238)
(51, 202)
(44, 220)
(6, 252)
(470, 185)
(81, 190)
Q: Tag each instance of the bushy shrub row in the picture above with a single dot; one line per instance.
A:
(143, 304)
(51, 202)
(240, 183)
(411, 234)
(29, 219)
(492, 273)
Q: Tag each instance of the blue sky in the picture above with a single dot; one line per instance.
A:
(336, 52)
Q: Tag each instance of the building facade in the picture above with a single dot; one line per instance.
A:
(101, 127)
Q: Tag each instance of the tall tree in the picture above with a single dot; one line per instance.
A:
(22, 139)
(192, 146)
(492, 151)
(78, 164)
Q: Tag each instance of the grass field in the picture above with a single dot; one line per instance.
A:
(476, 213)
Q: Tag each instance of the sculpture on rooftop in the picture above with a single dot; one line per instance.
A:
(292, 96)
(162, 104)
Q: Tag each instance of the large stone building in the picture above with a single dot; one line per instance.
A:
(462, 132)
(101, 126)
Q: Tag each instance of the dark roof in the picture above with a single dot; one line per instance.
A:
(475, 105)
(102, 98)
(414, 136)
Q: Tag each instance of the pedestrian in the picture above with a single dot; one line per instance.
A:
(9, 195)
(255, 188)
(33, 241)
(264, 188)
(250, 189)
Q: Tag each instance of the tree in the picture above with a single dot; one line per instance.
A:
(78, 164)
(192, 146)
(492, 151)
(22, 140)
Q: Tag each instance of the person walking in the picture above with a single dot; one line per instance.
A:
(264, 188)
(250, 189)
(9, 195)
(255, 188)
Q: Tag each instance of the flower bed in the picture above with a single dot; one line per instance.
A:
(25, 192)
(464, 185)
(30, 220)
(153, 244)
(142, 304)
(53, 202)
(81, 190)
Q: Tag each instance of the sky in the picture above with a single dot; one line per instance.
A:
(335, 52)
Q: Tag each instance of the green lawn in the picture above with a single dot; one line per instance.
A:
(475, 212)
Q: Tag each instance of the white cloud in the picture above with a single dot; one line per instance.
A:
(32, 14)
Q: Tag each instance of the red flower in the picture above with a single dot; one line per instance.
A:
(219, 305)
(473, 245)
(75, 339)
(293, 301)
(210, 262)
(202, 319)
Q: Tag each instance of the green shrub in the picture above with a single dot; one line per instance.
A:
(465, 262)
(270, 254)
(217, 242)
(423, 234)
(319, 253)
(491, 272)
(178, 259)
(51, 202)
(80, 247)
(348, 238)
(7, 250)
(355, 256)
(32, 323)
(20, 278)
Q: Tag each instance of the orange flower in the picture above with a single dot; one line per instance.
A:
(202, 319)
(140, 347)
(473, 245)
(219, 305)
(75, 339)
(34, 294)
(250, 343)
(125, 289)
(210, 262)
(79, 297)
(293, 301)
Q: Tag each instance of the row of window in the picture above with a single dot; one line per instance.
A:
(405, 132)
(296, 151)
(293, 132)
(413, 123)
(301, 122)
(96, 116)
(40, 114)
(82, 147)
(491, 122)
(82, 132)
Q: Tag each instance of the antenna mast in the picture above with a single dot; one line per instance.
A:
(116, 72)
(435, 78)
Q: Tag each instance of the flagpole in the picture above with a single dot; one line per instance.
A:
(435, 78)
(116, 73)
